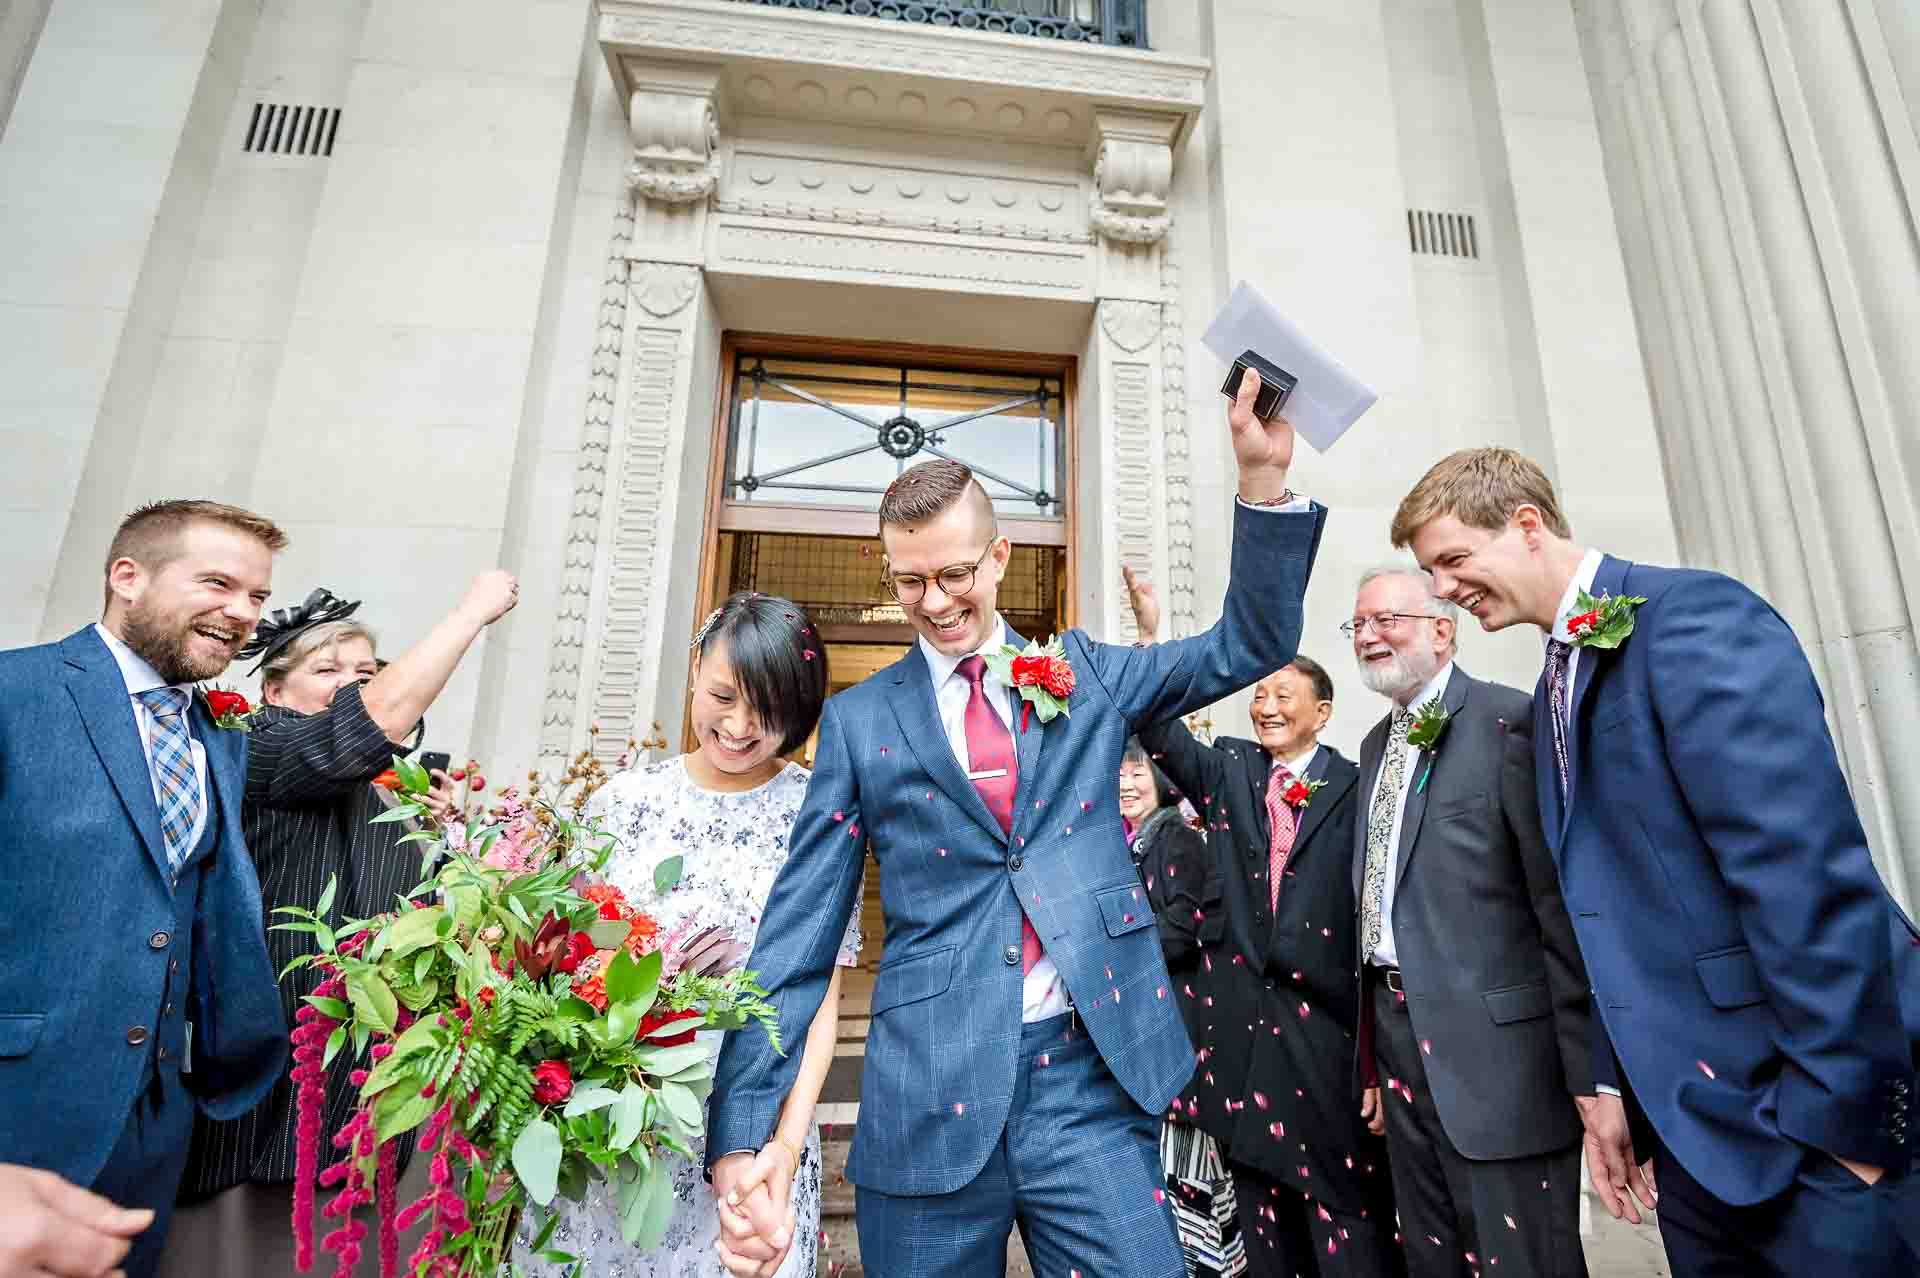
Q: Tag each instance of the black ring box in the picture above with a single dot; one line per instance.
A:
(1276, 384)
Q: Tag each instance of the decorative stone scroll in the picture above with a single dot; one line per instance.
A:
(676, 133)
(1132, 173)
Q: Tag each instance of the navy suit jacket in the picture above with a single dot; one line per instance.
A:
(1757, 984)
(941, 1050)
(87, 918)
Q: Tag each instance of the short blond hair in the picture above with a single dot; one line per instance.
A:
(1481, 487)
(151, 536)
(309, 641)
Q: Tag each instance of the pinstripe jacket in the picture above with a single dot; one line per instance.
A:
(306, 812)
(941, 1051)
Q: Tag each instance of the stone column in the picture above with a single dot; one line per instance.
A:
(1136, 491)
(645, 444)
(1787, 194)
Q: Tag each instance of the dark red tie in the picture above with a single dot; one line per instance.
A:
(989, 752)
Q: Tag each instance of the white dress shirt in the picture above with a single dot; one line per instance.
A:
(141, 677)
(1582, 580)
(1044, 994)
(1297, 768)
(1385, 954)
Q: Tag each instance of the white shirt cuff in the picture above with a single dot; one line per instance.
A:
(1298, 506)
(1604, 1090)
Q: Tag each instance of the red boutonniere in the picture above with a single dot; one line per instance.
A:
(1300, 793)
(1041, 675)
(228, 708)
(1604, 622)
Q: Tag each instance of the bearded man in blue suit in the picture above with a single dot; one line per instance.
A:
(1757, 989)
(134, 979)
(1025, 1037)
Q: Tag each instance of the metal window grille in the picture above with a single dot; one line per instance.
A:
(1119, 22)
(276, 128)
(1442, 234)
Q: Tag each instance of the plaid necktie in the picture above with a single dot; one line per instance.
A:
(990, 749)
(1386, 802)
(1280, 818)
(172, 763)
(1559, 658)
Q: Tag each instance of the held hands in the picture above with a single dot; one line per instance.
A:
(48, 1226)
(1264, 450)
(491, 596)
(1617, 1178)
(754, 1195)
(1146, 608)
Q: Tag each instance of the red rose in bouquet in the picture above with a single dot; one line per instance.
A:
(577, 953)
(653, 1022)
(552, 1082)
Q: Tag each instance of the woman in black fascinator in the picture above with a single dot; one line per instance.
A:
(332, 719)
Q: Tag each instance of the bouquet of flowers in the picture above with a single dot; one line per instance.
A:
(535, 1027)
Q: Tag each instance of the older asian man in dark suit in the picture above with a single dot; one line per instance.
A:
(1479, 1001)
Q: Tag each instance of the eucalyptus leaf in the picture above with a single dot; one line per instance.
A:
(588, 1099)
(536, 1160)
(658, 1209)
(665, 1062)
(629, 1114)
(632, 1200)
(608, 934)
(684, 1106)
(666, 875)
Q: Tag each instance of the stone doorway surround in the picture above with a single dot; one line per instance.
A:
(842, 176)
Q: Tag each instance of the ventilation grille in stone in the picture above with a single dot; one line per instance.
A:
(279, 129)
(1442, 234)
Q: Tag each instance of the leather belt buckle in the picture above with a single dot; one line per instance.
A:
(1391, 975)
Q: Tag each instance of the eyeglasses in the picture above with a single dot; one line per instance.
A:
(955, 580)
(1384, 623)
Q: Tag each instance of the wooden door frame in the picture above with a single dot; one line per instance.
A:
(833, 522)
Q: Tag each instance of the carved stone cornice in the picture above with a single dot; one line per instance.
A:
(1132, 173)
(673, 114)
(901, 64)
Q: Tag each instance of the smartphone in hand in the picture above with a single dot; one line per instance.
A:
(433, 760)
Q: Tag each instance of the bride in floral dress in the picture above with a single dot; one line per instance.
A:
(759, 680)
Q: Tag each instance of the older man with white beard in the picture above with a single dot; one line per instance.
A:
(1474, 1001)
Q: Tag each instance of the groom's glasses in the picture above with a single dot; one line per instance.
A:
(954, 580)
(1384, 623)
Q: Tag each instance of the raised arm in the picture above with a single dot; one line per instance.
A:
(397, 698)
(303, 758)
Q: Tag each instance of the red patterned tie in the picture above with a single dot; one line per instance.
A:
(1280, 817)
(990, 750)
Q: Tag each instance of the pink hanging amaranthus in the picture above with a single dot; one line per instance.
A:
(312, 1029)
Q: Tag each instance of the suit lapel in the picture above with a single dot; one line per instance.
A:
(226, 764)
(100, 695)
(1371, 752)
(1609, 580)
(1458, 685)
(1027, 744)
(919, 716)
(1257, 767)
(1317, 808)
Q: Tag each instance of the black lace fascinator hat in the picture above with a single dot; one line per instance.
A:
(283, 625)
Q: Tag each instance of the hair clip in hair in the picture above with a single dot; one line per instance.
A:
(706, 627)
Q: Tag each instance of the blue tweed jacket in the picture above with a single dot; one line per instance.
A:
(945, 1034)
(88, 931)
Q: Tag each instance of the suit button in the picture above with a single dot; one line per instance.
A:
(159, 940)
(136, 1036)
(1269, 984)
(163, 1053)
(1012, 955)
(1015, 861)
(167, 1010)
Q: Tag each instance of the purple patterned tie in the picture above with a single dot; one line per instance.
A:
(1559, 657)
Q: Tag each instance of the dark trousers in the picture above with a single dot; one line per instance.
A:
(1289, 1235)
(1828, 1221)
(145, 1166)
(1077, 1168)
(1460, 1216)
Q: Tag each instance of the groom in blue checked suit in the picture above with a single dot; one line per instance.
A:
(1025, 1038)
(1757, 989)
(134, 979)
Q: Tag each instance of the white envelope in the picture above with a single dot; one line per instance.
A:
(1328, 399)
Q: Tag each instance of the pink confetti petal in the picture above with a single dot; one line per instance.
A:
(1511, 1224)
(1426, 1045)
(1260, 1099)
(1705, 1068)
(838, 815)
